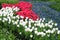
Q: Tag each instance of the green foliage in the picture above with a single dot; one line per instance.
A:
(11, 32)
(49, 0)
(58, 37)
(56, 6)
(43, 0)
(9, 1)
(6, 35)
(55, 1)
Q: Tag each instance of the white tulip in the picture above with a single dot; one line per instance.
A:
(4, 14)
(55, 24)
(43, 18)
(44, 29)
(26, 17)
(50, 21)
(42, 25)
(35, 24)
(3, 20)
(16, 22)
(58, 32)
(35, 28)
(46, 24)
(37, 19)
(9, 22)
(14, 17)
(20, 33)
(12, 21)
(50, 26)
(52, 31)
(0, 14)
(30, 30)
(40, 19)
(31, 36)
(16, 9)
(3, 9)
(56, 28)
(25, 26)
(24, 23)
(18, 25)
(29, 25)
(36, 32)
(17, 16)
(43, 34)
(48, 31)
(48, 35)
(21, 16)
(27, 29)
(0, 19)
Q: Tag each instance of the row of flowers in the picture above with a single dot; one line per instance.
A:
(39, 26)
(24, 9)
(21, 17)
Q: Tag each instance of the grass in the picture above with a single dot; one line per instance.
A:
(6, 35)
(9, 1)
(54, 6)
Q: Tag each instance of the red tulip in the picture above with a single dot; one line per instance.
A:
(28, 13)
(25, 8)
(25, 5)
(21, 14)
(6, 5)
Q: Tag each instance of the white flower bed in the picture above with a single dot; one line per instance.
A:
(39, 27)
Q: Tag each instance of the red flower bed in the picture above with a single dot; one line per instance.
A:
(28, 13)
(6, 5)
(25, 8)
(24, 5)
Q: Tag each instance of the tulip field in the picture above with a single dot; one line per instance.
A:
(29, 20)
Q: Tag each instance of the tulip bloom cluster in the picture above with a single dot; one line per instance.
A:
(40, 27)
(25, 10)
(26, 21)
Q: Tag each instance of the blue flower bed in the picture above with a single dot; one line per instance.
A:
(43, 10)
